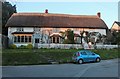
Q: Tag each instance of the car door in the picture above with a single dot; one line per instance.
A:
(84, 56)
(91, 56)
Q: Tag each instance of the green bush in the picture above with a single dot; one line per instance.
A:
(29, 46)
(66, 41)
(13, 46)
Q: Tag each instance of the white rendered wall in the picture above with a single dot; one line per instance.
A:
(76, 30)
(14, 29)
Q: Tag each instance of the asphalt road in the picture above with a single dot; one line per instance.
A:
(105, 68)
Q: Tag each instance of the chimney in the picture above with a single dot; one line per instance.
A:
(46, 11)
(99, 14)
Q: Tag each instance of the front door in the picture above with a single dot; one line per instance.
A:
(36, 38)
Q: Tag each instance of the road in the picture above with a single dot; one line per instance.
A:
(105, 68)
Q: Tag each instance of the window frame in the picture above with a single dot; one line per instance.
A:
(37, 40)
(22, 39)
(83, 53)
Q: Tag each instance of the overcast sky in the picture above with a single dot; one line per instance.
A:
(109, 10)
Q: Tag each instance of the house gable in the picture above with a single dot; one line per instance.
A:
(115, 26)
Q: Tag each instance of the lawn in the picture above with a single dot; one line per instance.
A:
(44, 56)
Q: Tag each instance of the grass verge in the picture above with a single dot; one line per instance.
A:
(45, 56)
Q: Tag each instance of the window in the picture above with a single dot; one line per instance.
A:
(36, 40)
(57, 40)
(15, 38)
(22, 38)
(83, 53)
(18, 38)
(53, 39)
(29, 38)
(20, 29)
(26, 39)
(89, 53)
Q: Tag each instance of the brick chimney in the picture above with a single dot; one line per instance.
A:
(99, 14)
(46, 11)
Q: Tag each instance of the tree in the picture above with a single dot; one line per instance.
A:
(70, 37)
(86, 36)
(62, 33)
(7, 11)
(116, 37)
(94, 37)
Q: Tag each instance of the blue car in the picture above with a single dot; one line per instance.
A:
(85, 56)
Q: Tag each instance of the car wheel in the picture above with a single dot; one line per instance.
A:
(97, 59)
(80, 61)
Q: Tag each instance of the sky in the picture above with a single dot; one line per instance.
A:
(108, 10)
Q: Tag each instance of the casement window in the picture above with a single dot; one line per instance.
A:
(18, 39)
(20, 29)
(26, 39)
(55, 39)
(15, 38)
(37, 40)
(22, 39)
(29, 37)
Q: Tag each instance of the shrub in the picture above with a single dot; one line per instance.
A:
(29, 46)
(66, 41)
(13, 46)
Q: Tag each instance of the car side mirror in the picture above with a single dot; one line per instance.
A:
(93, 54)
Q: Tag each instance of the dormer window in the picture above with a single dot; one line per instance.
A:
(20, 29)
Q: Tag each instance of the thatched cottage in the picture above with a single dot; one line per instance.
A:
(32, 28)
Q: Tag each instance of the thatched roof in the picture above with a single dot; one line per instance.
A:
(55, 20)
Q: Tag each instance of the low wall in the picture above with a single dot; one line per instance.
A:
(61, 46)
(18, 45)
(69, 46)
(106, 46)
(75, 46)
